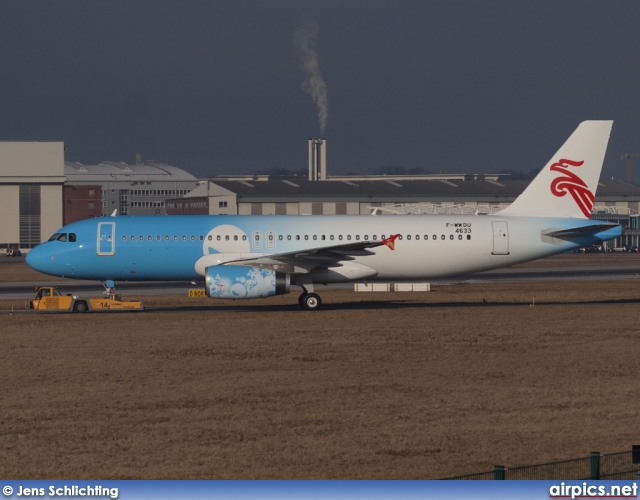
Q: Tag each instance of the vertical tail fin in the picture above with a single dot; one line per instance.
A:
(566, 186)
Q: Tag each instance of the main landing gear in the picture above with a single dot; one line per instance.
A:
(308, 300)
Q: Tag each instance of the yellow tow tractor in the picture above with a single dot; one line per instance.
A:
(48, 298)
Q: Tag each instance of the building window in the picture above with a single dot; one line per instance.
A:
(29, 218)
(222, 204)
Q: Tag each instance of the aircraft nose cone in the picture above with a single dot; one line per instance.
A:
(31, 259)
(36, 259)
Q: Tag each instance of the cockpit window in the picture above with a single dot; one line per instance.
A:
(63, 237)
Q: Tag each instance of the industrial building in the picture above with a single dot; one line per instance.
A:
(31, 188)
(40, 192)
(139, 189)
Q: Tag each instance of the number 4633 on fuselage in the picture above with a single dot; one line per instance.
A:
(247, 257)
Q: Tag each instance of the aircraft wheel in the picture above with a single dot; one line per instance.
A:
(80, 307)
(310, 301)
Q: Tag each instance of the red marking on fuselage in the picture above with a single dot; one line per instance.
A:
(390, 241)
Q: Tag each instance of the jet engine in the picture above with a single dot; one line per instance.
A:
(244, 282)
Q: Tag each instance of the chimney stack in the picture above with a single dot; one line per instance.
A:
(317, 159)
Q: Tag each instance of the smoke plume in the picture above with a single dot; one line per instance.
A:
(305, 40)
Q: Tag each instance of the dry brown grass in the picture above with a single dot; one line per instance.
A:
(372, 386)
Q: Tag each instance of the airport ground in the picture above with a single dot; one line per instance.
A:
(374, 385)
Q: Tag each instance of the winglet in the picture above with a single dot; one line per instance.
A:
(390, 241)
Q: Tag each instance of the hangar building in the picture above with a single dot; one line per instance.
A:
(139, 189)
(31, 187)
(40, 192)
(261, 195)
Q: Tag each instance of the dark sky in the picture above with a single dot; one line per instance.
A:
(215, 87)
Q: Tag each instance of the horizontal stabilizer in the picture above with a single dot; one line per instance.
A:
(578, 232)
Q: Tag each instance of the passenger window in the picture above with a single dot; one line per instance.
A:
(124, 238)
(340, 237)
(226, 238)
(288, 237)
(417, 236)
(331, 237)
(298, 237)
(141, 237)
(315, 237)
(459, 236)
(193, 238)
(468, 236)
(175, 238)
(244, 237)
(235, 237)
(348, 236)
(166, 238)
(426, 236)
(184, 238)
(366, 237)
(408, 236)
(375, 237)
(435, 237)
(149, 237)
(451, 236)
(133, 238)
(357, 237)
(306, 236)
(442, 237)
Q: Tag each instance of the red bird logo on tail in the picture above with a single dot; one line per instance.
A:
(571, 183)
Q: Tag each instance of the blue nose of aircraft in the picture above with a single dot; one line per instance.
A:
(40, 260)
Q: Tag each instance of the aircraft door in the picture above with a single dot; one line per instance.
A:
(500, 238)
(271, 239)
(106, 238)
(256, 240)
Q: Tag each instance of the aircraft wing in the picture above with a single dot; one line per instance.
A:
(309, 259)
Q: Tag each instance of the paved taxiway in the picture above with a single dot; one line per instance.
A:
(25, 290)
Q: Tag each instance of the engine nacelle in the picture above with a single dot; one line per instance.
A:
(244, 282)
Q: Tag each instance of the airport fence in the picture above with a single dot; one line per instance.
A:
(619, 465)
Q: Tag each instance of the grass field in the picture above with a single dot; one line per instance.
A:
(379, 385)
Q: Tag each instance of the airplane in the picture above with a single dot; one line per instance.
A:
(246, 256)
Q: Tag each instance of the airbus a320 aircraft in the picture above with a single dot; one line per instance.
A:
(245, 257)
